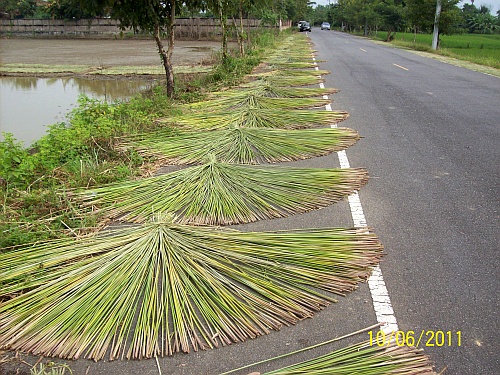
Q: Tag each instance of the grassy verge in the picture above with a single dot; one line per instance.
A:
(81, 152)
(475, 48)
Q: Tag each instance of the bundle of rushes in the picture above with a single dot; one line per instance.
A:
(257, 117)
(161, 288)
(364, 359)
(221, 194)
(242, 145)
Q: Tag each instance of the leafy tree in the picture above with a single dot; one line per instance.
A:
(484, 23)
(296, 10)
(356, 14)
(335, 15)
(450, 17)
(222, 9)
(391, 15)
(479, 19)
(420, 15)
(244, 8)
(375, 14)
(226, 9)
(320, 15)
(18, 9)
(156, 17)
(71, 9)
(269, 17)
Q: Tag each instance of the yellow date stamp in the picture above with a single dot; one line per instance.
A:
(424, 338)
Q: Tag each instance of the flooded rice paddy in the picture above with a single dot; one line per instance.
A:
(28, 104)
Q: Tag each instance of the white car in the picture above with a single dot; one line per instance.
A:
(325, 26)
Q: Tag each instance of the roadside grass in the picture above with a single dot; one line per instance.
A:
(477, 48)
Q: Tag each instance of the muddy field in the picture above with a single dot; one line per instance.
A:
(104, 53)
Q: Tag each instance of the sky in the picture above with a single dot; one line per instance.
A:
(494, 4)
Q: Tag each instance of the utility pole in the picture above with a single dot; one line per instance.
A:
(435, 36)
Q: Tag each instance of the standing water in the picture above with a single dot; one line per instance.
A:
(29, 104)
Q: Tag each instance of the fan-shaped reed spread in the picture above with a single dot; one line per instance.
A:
(161, 288)
(221, 194)
(243, 145)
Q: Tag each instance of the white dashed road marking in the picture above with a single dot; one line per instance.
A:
(401, 67)
(380, 296)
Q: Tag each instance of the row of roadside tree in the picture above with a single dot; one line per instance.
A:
(369, 16)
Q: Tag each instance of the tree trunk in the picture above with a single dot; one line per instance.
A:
(390, 35)
(223, 26)
(170, 50)
(167, 65)
(435, 34)
(166, 56)
(241, 34)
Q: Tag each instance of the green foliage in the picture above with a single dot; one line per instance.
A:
(319, 15)
(80, 153)
(89, 135)
(479, 20)
(51, 368)
(390, 15)
(71, 9)
(232, 70)
(268, 17)
(13, 158)
(397, 15)
(18, 8)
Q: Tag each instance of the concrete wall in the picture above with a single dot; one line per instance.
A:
(186, 28)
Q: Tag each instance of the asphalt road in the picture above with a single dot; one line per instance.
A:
(432, 148)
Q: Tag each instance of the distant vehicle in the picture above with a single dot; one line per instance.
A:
(304, 26)
(325, 26)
